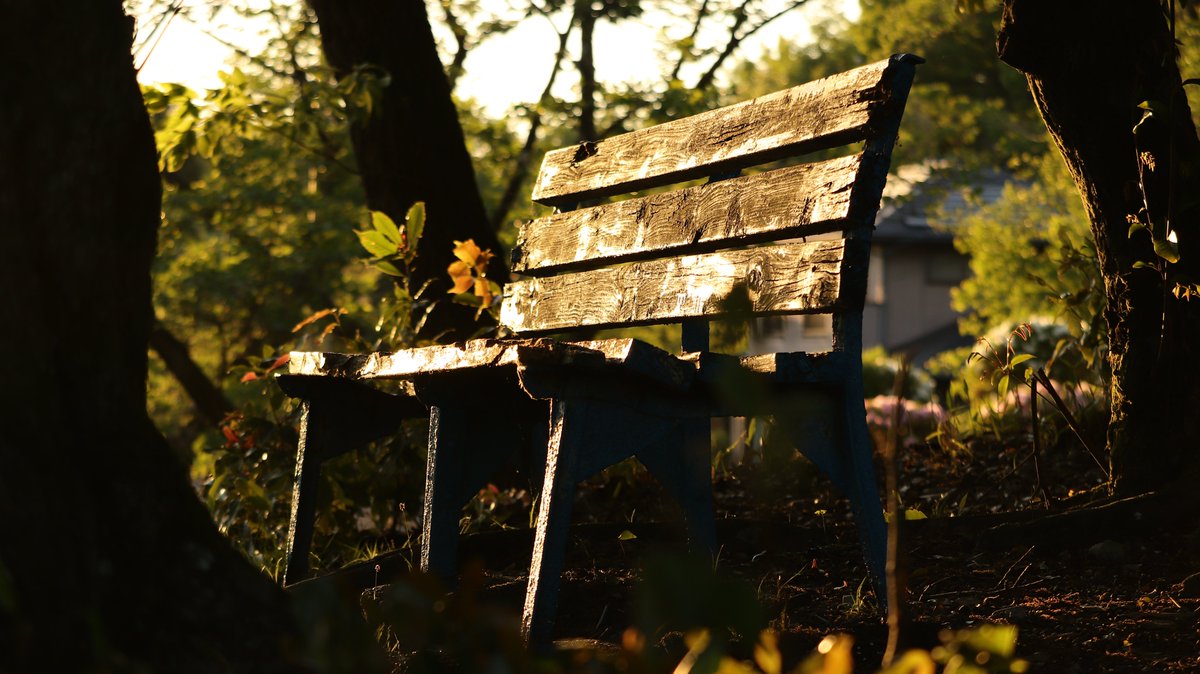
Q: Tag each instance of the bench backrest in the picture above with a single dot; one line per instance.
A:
(692, 253)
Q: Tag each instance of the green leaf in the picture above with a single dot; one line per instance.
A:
(376, 243)
(996, 639)
(469, 299)
(1020, 359)
(387, 227)
(1145, 265)
(914, 514)
(626, 535)
(1003, 386)
(387, 267)
(1166, 250)
(415, 227)
(1136, 226)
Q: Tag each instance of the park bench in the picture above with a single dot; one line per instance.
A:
(733, 248)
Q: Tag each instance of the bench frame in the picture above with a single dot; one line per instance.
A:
(589, 405)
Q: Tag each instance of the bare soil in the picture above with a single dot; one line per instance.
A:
(1119, 600)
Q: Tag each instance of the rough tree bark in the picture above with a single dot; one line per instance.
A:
(1089, 69)
(413, 149)
(108, 561)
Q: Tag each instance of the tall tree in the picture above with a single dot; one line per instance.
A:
(107, 559)
(412, 147)
(1095, 75)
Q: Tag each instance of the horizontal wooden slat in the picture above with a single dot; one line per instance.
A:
(826, 113)
(789, 202)
(633, 356)
(786, 278)
(413, 363)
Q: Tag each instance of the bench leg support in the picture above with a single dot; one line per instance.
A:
(689, 479)
(567, 426)
(444, 472)
(304, 497)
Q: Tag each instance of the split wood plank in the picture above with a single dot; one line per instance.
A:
(785, 278)
(786, 203)
(630, 356)
(409, 363)
(826, 113)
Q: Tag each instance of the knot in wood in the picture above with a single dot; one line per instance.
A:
(586, 149)
(754, 278)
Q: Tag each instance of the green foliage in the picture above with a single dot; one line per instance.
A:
(968, 108)
(1032, 255)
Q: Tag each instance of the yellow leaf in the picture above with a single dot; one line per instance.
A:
(482, 260)
(461, 284)
(766, 653)
(466, 251)
(839, 659)
(482, 290)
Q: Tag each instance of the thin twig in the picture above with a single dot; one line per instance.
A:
(1037, 441)
(701, 14)
(455, 69)
(1000, 584)
(735, 40)
(164, 23)
(1071, 423)
(896, 576)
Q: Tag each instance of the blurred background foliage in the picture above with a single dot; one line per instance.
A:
(258, 253)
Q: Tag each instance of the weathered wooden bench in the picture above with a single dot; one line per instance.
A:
(731, 248)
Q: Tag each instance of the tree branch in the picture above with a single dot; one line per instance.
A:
(684, 54)
(520, 168)
(210, 401)
(455, 69)
(735, 40)
(587, 70)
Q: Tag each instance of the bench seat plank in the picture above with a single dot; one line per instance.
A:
(629, 356)
(409, 363)
(790, 202)
(794, 278)
(826, 113)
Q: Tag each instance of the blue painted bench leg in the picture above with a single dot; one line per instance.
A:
(843, 451)
(862, 488)
(567, 425)
(688, 477)
(443, 491)
(304, 497)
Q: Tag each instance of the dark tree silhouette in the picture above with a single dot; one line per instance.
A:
(107, 558)
(1089, 70)
(412, 149)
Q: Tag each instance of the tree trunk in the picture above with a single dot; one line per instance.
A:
(412, 148)
(1089, 69)
(587, 70)
(108, 561)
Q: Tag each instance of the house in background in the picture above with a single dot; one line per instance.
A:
(913, 267)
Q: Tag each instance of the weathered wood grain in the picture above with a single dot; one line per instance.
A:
(786, 278)
(644, 360)
(826, 113)
(789, 202)
(412, 363)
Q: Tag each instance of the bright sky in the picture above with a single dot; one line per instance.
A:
(505, 69)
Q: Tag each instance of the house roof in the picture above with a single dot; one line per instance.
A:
(919, 196)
